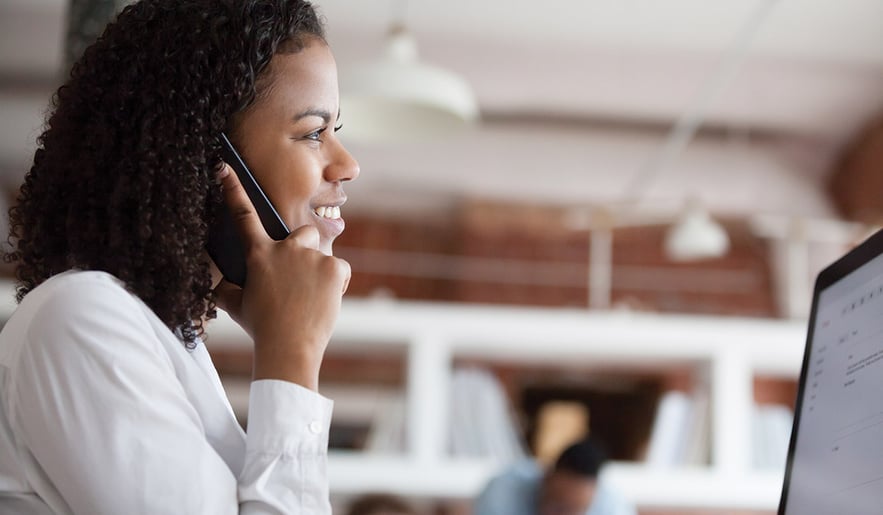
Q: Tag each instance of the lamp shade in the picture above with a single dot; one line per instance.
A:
(696, 236)
(397, 97)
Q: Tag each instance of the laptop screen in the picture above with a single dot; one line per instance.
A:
(836, 461)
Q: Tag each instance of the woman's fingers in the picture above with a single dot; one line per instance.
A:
(306, 236)
(228, 297)
(346, 272)
(292, 297)
(242, 210)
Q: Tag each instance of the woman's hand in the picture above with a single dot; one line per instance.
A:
(291, 297)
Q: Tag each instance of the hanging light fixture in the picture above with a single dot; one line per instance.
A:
(398, 97)
(696, 235)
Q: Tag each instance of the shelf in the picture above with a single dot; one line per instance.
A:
(772, 347)
(732, 352)
(354, 473)
(696, 487)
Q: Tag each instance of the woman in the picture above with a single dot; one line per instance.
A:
(109, 402)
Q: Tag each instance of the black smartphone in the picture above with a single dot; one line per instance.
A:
(224, 244)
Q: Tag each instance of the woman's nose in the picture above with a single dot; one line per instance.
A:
(343, 166)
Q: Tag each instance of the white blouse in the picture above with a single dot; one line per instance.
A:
(104, 411)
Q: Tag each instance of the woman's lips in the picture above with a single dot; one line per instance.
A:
(329, 221)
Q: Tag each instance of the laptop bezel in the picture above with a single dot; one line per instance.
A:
(853, 260)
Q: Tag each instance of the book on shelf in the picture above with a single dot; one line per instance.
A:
(387, 433)
(771, 433)
(680, 434)
(481, 424)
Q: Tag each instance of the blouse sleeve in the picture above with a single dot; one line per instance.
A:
(97, 404)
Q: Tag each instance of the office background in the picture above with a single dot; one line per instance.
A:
(620, 239)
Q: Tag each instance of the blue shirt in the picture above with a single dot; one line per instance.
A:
(517, 490)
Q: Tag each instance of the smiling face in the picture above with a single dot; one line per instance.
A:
(288, 139)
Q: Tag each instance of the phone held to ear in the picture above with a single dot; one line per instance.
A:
(224, 244)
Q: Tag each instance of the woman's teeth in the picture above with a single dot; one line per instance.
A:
(332, 212)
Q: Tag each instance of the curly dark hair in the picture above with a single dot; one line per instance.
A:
(123, 179)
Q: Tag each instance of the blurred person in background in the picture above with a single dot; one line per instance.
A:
(570, 487)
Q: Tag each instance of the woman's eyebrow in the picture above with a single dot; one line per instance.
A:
(321, 113)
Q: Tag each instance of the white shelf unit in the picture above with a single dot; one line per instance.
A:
(432, 335)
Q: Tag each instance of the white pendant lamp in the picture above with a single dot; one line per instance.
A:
(397, 97)
(696, 236)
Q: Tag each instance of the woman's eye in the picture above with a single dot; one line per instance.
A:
(315, 135)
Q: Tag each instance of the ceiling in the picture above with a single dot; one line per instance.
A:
(577, 96)
(814, 66)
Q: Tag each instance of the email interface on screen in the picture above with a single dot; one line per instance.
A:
(838, 456)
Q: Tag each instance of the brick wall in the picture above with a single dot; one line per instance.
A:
(509, 254)
(856, 184)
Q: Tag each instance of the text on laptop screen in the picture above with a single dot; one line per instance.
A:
(837, 466)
